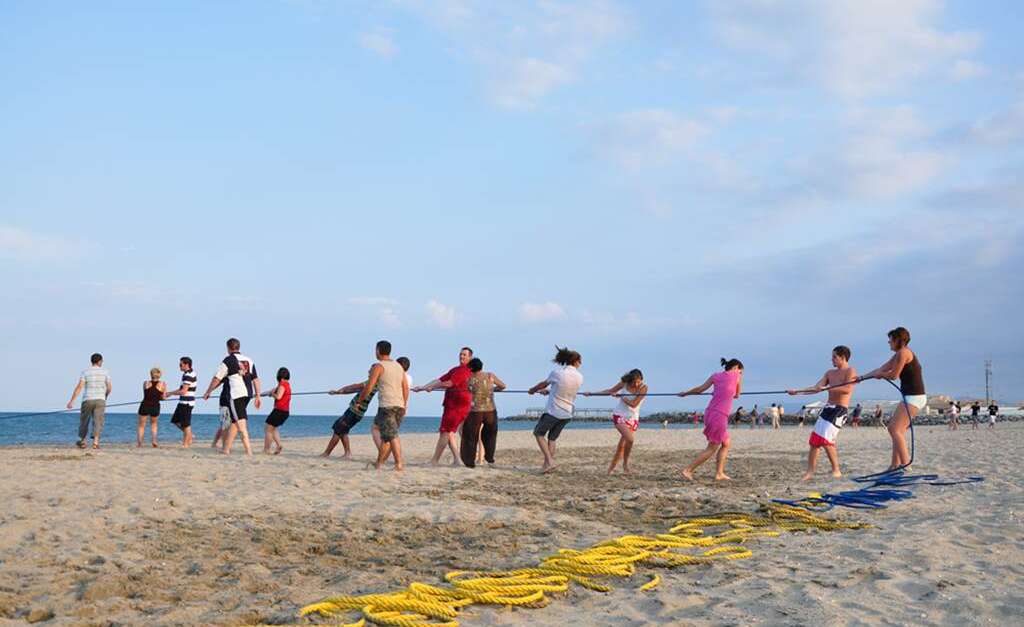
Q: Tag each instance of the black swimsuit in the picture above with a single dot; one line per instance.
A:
(150, 405)
(911, 380)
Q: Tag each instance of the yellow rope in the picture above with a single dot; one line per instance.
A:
(720, 536)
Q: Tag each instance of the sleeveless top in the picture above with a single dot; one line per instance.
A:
(389, 385)
(625, 411)
(482, 389)
(911, 381)
(284, 403)
(725, 382)
(152, 395)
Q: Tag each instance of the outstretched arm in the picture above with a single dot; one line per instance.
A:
(607, 392)
(892, 368)
(351, 388)
(814, 389)
(541, 387)
(371, 383)
(699, 389)
(498, 383)
(214, 383)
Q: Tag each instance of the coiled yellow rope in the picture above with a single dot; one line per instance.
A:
(424, 605)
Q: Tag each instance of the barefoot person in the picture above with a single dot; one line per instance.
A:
(389, 379)
(904, 366)
(481, 426)
(153, 391)
(631, 391)
(282, 395)
(457, 404)
(353, 415)
(94, 384)
(839, 380)
(186, 394)
(238, 372)
(727, 386)
(560, 387)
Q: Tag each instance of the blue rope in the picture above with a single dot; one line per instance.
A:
(883, 487)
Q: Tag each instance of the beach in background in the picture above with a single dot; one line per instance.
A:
(173, 537)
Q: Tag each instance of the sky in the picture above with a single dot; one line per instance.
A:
(654, 184)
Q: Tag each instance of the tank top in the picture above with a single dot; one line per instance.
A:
(624, 410)
(152, 395)
(725, 383)
(285, 402)
(911, 381)
(482, 389)
(389, 386)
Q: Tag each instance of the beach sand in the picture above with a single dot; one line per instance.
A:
(176, 537)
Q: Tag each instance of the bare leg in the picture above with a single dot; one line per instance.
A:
(382, 454)
(480, 444)
(153, 424)
(375, 433)
(627, 448)
(217, 437)
(549, 460)
(187, 443)
(229, 438)
(442, 442)
(268, 437)
(723, 454)
(621, 444)
(833, 458)
(243, 428)
(897, 431)
(277, 441)
(396, 450)
(330, 445)
(454, 448)
(141, 432)
(704, 456)
(812, 462)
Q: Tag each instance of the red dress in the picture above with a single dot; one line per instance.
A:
(458, 400)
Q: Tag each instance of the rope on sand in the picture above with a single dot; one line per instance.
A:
(425, 605)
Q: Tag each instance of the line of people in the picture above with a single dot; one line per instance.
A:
(469, 410)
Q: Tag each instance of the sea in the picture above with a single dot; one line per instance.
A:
(62, 428)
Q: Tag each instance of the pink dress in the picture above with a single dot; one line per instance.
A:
(716, 416)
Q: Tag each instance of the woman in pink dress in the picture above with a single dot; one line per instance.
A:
(727, 386)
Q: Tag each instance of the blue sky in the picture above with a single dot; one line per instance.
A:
(655, 184)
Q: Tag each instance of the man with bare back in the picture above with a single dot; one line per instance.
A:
(839, 382)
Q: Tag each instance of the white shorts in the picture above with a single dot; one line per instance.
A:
(225, 418)
(917, 400)
(991, 420)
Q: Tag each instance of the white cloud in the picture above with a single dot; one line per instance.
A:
(385, 307)
(19, 244)
(964, 70)
(1001, 128)
(526, 49)
(852, 47)
(442, 315)
(370, 301)
(541, 312)
(644, 137)
(380, 41)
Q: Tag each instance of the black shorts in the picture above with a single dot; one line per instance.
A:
(344, 424)
(550, 426)
(152, 410)
(182, 416)
(239, 409)
(277, 417)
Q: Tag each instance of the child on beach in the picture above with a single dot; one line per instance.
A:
(561, 387)
(186, 394)
(282, 395)
(153, 391)
(353, 415)
(839, 380)
(954, 416)
(631, 391)
(728, 385)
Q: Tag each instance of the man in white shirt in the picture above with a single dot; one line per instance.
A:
(561, 387)
(96, 382)
(239, 374)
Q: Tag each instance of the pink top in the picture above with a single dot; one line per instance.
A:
(725, 383)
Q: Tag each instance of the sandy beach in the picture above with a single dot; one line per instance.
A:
(174, 537)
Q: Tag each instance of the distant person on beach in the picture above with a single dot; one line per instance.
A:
(153, 391)
(755, 418)
(560, 386)
(773, 413)
(390, 380)
(857, 411)
(878, 416)
(737, 418)
(727, 386)
(993, 411)
(94, 384)
(282, 395)
(631, 391)
(456, 406)
(975, 411)
(840, 380)
(186, 394)
(238, 372)
(480, 429)
(954, 416)
(802, 415)
(905, 366)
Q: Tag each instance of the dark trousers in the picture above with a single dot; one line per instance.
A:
(472, 434)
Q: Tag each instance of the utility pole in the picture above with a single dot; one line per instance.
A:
(988, 380)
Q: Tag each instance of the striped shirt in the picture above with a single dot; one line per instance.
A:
(95, 379)
(188, 381)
